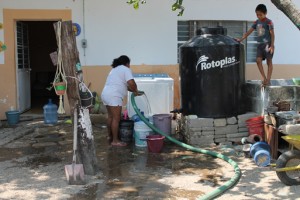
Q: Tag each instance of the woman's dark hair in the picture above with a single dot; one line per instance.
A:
(122, 60)
(262, 8)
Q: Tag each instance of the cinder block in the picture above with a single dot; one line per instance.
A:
(191, 117)
(198, 134)
(192, 129)
(234, 139)
(218, 140)
(220, 136)
(208, 128)
(207, 133)
(232, 120)
(220, 122)
(200, 122)
(244, 117)
(242, 124)
(226, 129)
(239, 135)
(243, 129)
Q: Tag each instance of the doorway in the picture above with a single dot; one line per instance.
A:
(35, 41)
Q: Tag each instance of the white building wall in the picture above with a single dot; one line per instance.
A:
(149, 35)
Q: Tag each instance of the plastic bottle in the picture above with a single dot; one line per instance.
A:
(50, 113)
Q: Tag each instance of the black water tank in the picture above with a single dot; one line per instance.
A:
(212, 72)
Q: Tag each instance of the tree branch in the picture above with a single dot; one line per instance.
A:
(289, 9)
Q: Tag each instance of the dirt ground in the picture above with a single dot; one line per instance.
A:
(33, 156)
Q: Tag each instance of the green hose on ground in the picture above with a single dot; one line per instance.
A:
(220, 190)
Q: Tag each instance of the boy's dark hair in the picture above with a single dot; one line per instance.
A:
(122, 60)
(262, 8)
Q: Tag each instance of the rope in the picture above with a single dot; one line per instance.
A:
(60, 72)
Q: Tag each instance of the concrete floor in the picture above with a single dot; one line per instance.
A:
(31, 150)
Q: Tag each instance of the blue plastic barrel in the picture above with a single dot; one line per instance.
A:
(260, 151)
(50, 113)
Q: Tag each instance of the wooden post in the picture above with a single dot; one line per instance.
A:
(70, 57)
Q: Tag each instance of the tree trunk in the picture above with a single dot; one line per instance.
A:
(70, 57)
(289, 9)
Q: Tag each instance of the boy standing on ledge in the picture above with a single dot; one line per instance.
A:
(265, 40)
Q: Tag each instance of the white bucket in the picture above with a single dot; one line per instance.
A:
(141, 131)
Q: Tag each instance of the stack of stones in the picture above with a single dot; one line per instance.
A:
(206, 131)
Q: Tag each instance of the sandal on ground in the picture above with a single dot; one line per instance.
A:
(119, 144)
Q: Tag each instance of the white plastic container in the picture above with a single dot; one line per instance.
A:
(159, 89)
(141, 131)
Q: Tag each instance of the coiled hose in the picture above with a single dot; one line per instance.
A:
(220, 190)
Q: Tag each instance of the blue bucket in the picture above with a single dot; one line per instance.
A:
(260, 151)
(12, 117)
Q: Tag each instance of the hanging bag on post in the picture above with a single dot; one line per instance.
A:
(60, 81)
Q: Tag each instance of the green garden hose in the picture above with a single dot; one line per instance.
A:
(220, 190)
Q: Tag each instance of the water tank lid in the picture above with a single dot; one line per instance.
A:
(213, 31)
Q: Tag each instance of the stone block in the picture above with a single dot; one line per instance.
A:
(220, 122)
(244, 117)
(225, 143)
(207, 133)
(218, 140)
(234, 139)
(196, 134)
(226, 129)
(200, 122)
(207, 128)
(191, 117)
(192, 129)
(240, 135)
(242, 125)
(285, 93)
(220, 136)
(202, 140)
(231, 120)
(243, 129)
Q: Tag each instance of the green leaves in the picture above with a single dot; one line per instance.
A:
(136, 3)
(176, 6)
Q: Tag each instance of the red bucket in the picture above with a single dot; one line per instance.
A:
(155, 143)
(255, 120)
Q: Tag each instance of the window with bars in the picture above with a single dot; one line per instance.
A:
(22, 45)
(187, 29)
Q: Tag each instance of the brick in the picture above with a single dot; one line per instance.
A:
(231, 120)
(207, 133)
(226, 129)
(220, 122)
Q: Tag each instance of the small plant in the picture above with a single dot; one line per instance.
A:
(176, 6)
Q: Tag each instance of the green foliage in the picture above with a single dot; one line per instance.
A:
(136, 3)
(176, 6)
